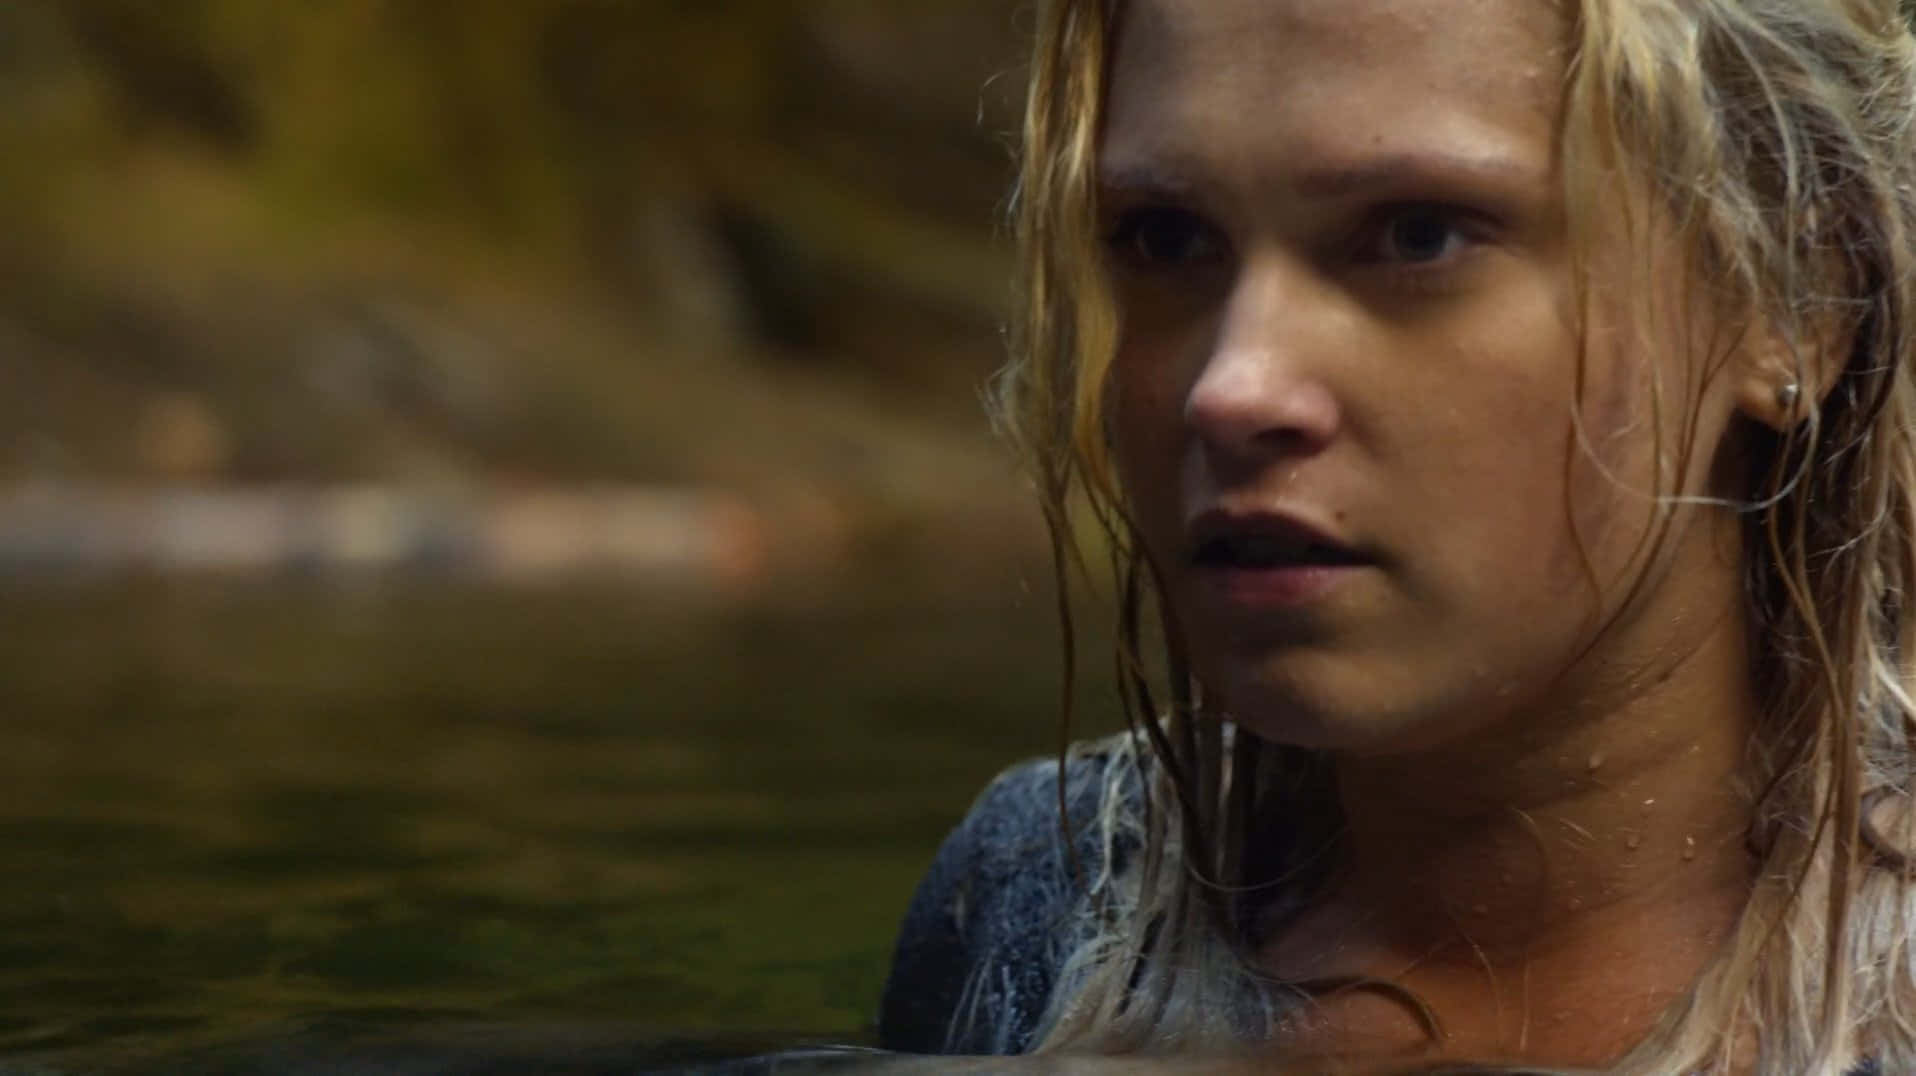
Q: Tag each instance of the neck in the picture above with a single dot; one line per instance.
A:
(1581, 878)
(1516, 839)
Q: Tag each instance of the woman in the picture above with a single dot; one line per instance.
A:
(1504, 409)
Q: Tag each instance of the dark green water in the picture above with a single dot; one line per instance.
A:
(246, 819)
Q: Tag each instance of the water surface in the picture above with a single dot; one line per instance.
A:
(244, 822)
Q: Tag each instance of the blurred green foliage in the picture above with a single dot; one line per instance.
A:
(517, 117)
(531, 197)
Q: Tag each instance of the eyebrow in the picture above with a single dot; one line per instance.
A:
(1179, 176)
(1169, 178)
(1395, 169)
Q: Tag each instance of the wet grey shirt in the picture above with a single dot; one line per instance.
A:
(985, 935)
(986, 932)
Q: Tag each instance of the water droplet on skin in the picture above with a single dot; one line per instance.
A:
(1596, 762)
(1647, 804)
(1689, 849)
(1634, 842)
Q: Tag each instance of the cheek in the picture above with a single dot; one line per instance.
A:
(1644, 439)
(1652, 407)
(1520, 505)
(1526, 497)
(1579, 485)
(1603, 470)
(1579, 457)
(1144, 407)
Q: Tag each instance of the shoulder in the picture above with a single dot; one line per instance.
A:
(986, 931)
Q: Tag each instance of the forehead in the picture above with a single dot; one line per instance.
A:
(1277, 85)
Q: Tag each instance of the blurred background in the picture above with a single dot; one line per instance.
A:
(499, 540)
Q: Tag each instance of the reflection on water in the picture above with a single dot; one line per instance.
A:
(244, 816)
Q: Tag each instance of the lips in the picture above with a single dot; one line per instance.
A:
(1257, 563)
(1259, 541)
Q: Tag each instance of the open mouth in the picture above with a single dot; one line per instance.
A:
(1264, 552)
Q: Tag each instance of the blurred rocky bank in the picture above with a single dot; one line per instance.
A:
(559, 268)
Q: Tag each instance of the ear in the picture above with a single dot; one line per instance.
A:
(1772, 397)
(1779, 385)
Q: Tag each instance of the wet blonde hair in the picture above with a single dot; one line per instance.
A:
(1774, 139)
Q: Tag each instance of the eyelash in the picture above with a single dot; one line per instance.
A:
(1129, 234)
(1461, 227)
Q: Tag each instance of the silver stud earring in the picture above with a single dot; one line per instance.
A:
(1786, 396)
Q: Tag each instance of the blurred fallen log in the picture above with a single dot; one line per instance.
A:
(699, 539)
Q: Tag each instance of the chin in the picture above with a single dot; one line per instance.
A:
(1349, 710)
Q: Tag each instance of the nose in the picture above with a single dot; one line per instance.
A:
(1259, 395)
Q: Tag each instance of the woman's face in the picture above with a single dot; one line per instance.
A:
(1342, 403)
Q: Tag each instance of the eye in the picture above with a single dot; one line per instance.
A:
(1419, 235)
(1163, 238)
